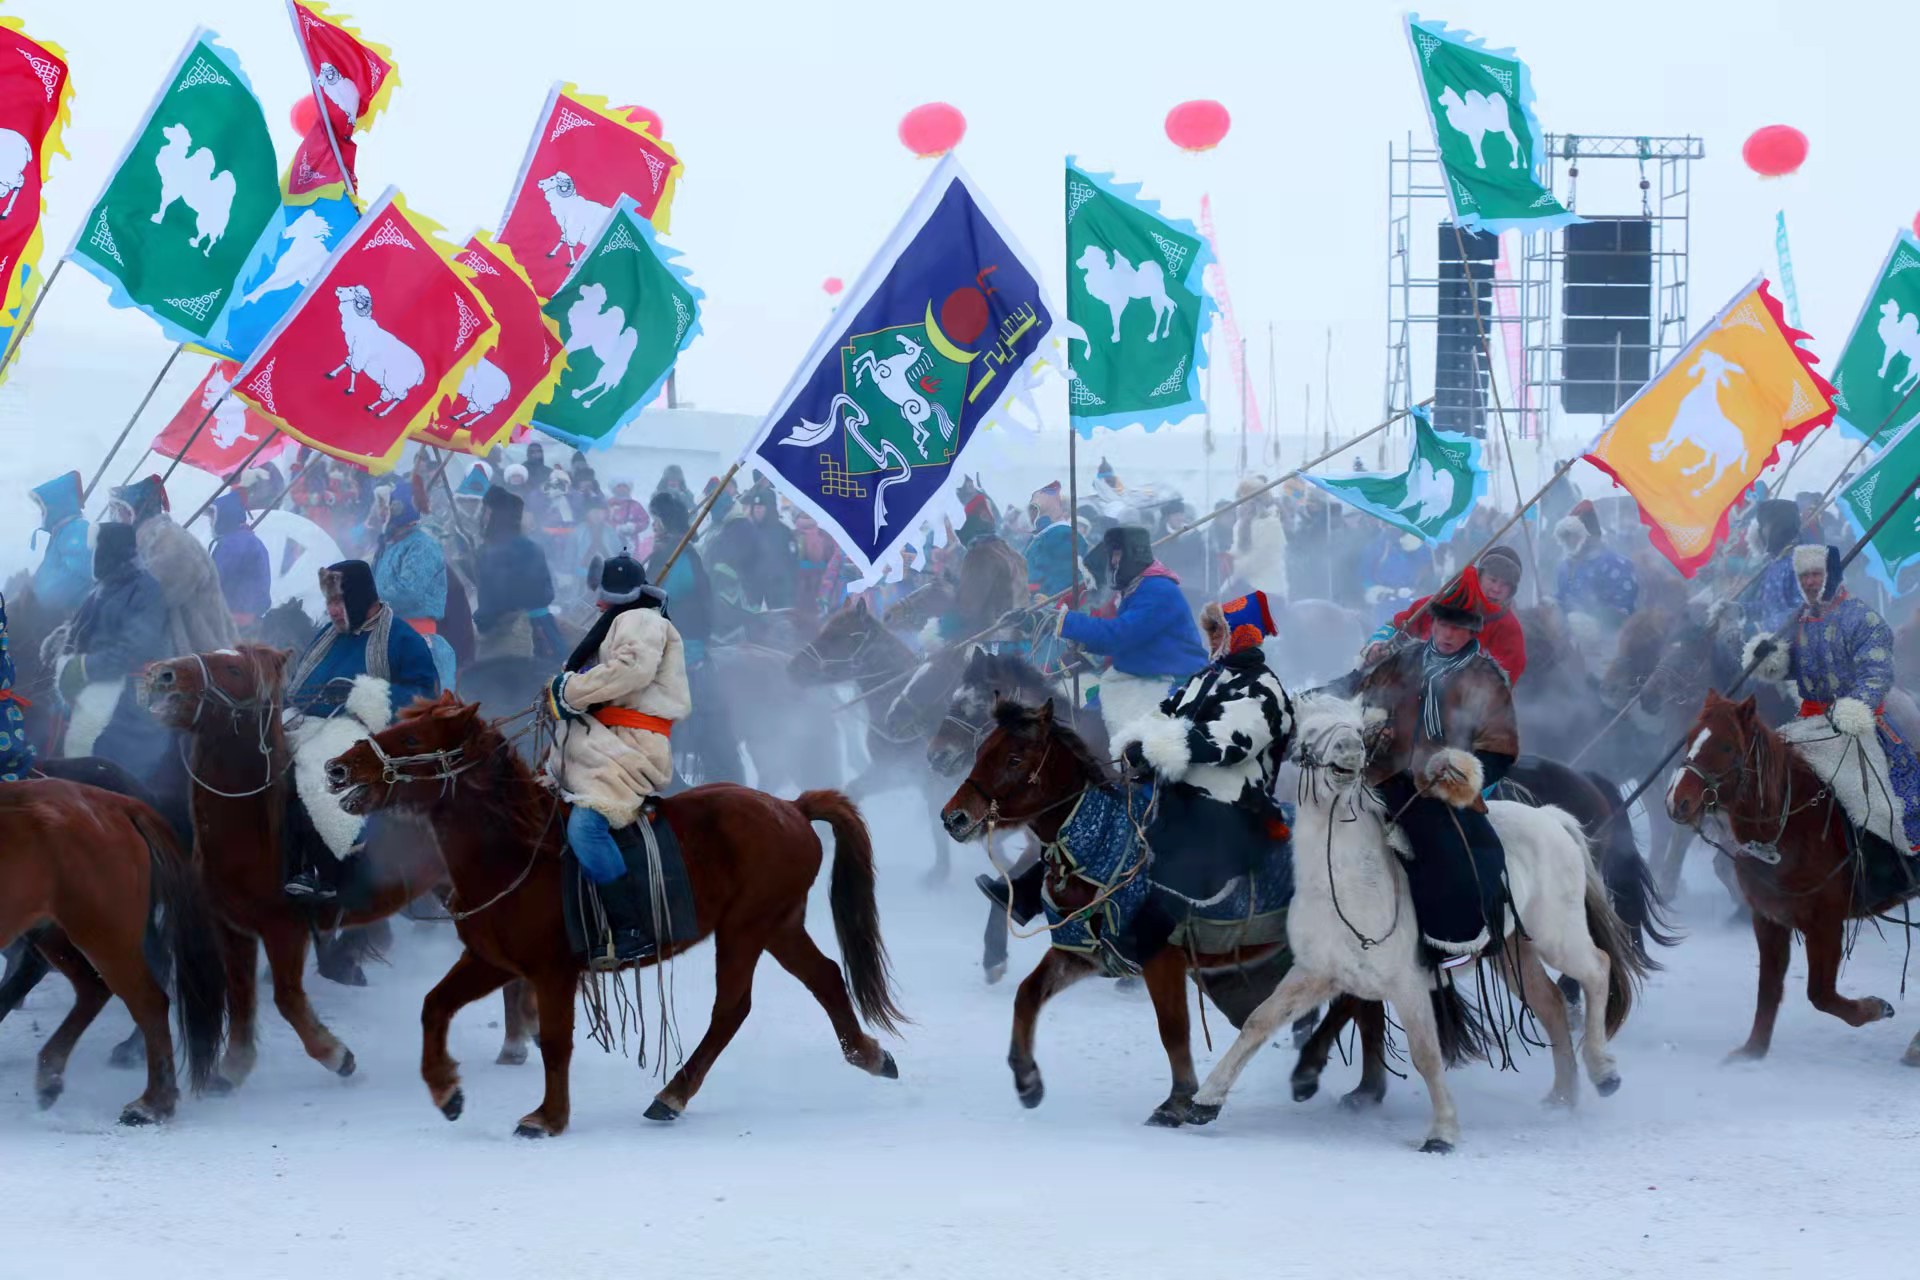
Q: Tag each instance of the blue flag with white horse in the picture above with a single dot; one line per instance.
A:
(291, 257)
(948, 321)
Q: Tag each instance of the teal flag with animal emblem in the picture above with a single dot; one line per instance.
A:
(1137, 307)
(1876, 382)
(626, 312)
(191, 199)
(947, 323)
(1442, 481)
(1480, 104)
(1866, 499)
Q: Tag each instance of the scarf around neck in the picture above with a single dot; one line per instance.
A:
(1435, 668)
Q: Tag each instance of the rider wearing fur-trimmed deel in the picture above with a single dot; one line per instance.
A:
(1449, 733)
(614, 706)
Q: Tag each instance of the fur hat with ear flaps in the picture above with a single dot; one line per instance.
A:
(1582, 524)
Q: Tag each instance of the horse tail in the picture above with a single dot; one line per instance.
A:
(1629, 882)
(856, 916)
(1463, 1037)
(191, 934)
(1626, 968)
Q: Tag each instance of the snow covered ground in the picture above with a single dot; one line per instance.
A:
(791, 1163)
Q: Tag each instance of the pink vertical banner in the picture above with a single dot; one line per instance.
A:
(1508, 305)
(1235, 353)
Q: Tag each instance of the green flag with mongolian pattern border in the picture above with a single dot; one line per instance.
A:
(1480, 104)
(1866, 499)
(191, 198)
(1137, 307)
(1876, 382)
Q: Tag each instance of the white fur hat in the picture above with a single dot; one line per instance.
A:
(1809, 557)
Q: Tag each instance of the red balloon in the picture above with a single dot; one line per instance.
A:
(833, 285)
(1775, 150)
(305, 115)
(1198, 125)
(647, 117)
(932, 129)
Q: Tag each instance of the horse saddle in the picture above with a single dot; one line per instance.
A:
(1225, 874)
(659, 872)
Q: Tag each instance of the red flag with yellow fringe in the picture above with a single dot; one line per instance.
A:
(36, 97)
(353, 82)
(518, 375)
(1692, 441)
(584, 156)
(389, 329)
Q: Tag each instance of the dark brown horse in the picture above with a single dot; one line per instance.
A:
(228, 706)
(98, 866)
(750, 857)
(1742, 771)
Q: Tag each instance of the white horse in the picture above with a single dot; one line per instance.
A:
(1478, 115)
(597, 326)
(188, 175)
(895, 377)
(1351, 925)
(1900, 335)
(300, 264)
(1700, 422)
(1119, 282)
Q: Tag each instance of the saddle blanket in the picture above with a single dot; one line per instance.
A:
(1854, 770)
(580, 899)
(1099, 845)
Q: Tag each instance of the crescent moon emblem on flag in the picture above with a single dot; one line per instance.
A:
(942, 344)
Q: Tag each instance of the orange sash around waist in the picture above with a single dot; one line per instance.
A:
(425, 626)
(1810, 708)
(621, 718)
(8, 695)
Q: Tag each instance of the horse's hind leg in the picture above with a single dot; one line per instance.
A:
(1525, 974)
(1775, 943)
(521, 1022)
(1298, 990)
(90, 995)
(1166, 978)
(1423, 1046)
(1912, 1055)
(1371, 1017)
(287, 956)
(800, 956)
(127, 976)
(1056, 971)
(735, 959)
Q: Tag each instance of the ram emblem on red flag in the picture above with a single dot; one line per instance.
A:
(583, 157)
(390, 328)
(35, 94)
(231, 430)
(518, 375)
(353, 81)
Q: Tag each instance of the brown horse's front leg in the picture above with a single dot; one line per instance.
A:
(553, 990)
(522, 1020)
(1371, 1017)
(1824, 952)
(241, 952)
(470, 979)
(1775, 943)
(286, 946)
(1056, 971)
(1166, 978)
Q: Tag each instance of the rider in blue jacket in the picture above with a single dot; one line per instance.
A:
(1151, 640)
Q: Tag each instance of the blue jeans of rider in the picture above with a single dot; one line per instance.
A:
(591, 838)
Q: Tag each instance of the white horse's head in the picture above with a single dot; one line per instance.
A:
(308, 226)
(1330, 738)
(217, 387)
(907, 345)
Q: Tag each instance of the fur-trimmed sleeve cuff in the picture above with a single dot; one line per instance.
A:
(1853, 717)
(1775, 666)
(370, 701)
(1163, 741)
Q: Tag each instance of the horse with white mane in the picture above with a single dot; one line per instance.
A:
(1477, 115)
(1351, 925)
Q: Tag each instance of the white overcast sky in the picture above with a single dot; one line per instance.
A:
(785, 115)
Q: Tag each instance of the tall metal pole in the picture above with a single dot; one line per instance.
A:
(19, 335)
(128, 429)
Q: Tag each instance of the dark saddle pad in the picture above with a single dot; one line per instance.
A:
(580, 898)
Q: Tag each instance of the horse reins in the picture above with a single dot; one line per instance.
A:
(262, 709)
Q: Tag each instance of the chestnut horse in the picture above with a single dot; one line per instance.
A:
(98, 865)
(750, 859)
(227, 704)
(1738, 768)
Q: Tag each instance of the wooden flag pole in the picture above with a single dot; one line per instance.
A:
(231, 476)
(26, 326)
(320, 102)
(299, 474)
(202, 426)
(128, 429)
(693, 525)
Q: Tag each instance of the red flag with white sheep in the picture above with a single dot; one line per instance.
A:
(584, 156)
(353, 80)
(231, 432)
(35, 94)
(518, 375)
(388, 330)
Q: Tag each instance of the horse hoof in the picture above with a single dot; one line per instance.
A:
(347, 1064)
(512, 1056)
(1608, 1085)
(527, 1130)
(1202, 1112)
(1911, 1057)
(994, 973)
(221, 1087)
(1305, 1087)
(1031, 1095)
(136, 1116)
(49, 1093)
(889, 1069)
(1436, 1147)
(1165, 1116)
(1885, 1009)
(128, 1054)
(661, 1113)
(454, 1105)
(1362, 1099)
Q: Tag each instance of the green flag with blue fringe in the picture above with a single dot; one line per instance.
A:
(1443, 479)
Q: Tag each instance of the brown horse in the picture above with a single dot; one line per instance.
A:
(228, 706)
(751, 859)
(98, 865)
(1027, 773)
(1738, 768)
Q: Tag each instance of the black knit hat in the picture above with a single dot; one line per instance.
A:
(1501, 562)
(114, 549)
(620, 580)
(1135, 546)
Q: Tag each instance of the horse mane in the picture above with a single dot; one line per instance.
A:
(489, 796)
(1016, 717)
(1773, 765)
(1008, 674)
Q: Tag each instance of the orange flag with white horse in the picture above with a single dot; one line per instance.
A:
(1692, 441)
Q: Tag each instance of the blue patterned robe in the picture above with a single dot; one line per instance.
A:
(1847, 652)
(16, 756)
(1600, 582)
(1776, 595)
(410, 573)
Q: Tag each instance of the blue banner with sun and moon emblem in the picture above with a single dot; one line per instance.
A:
(947, 321)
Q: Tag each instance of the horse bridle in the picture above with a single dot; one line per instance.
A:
(826, 664)
(1738, 772)
(262, 709)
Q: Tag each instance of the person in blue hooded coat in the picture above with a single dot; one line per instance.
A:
(410, 573)
(66, 572)
(121, 627)
(241, 560)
